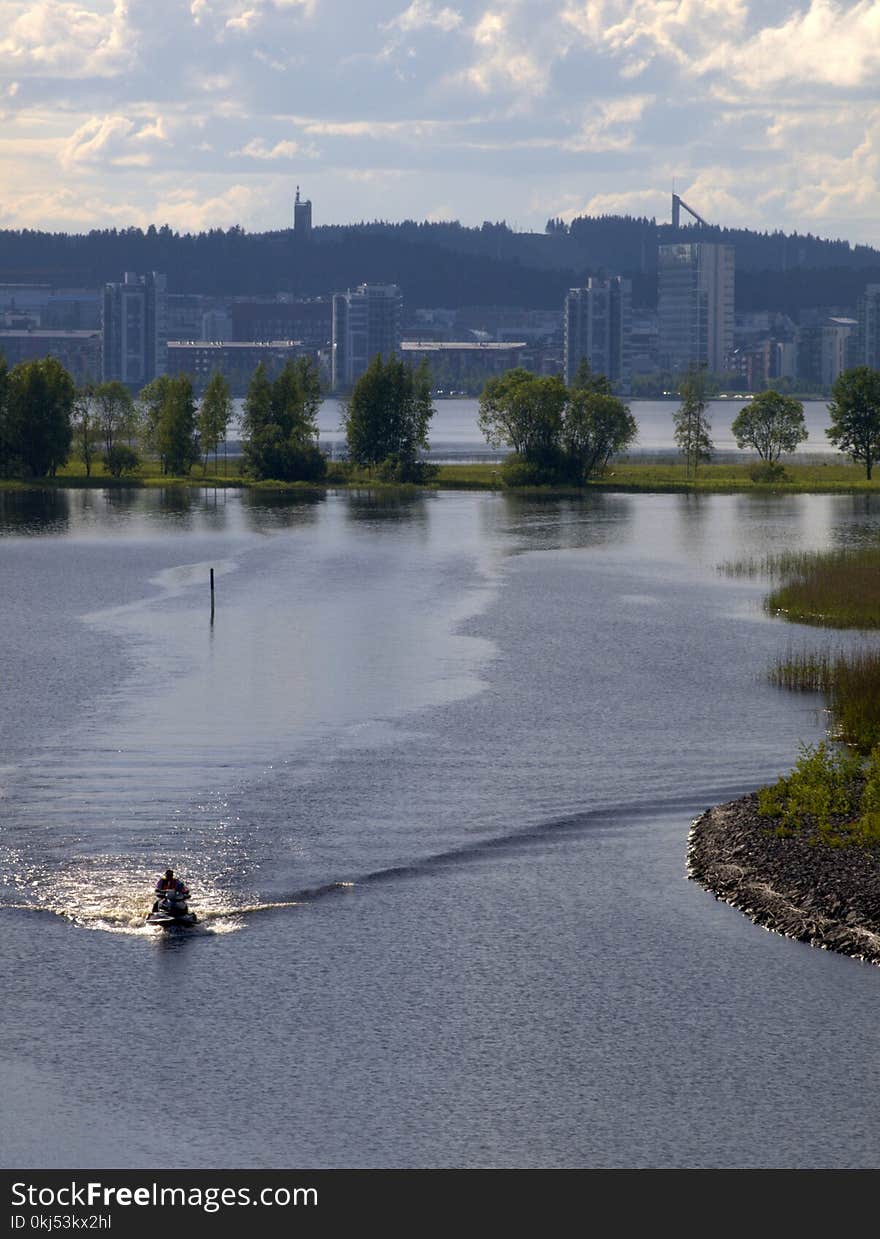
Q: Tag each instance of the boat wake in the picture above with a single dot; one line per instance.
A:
(109, 898)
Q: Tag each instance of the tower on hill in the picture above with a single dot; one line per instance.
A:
(302, 216)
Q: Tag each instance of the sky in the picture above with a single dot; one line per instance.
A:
(209, 113)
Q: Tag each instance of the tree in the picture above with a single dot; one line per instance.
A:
(117, 417)
(151, 400)
(855, 415)
(84, 426)
(771, 424)
(596, 426)
(215, 414)
(176, 431)
(36, 429)
(387, 417)
(280, 423)
(524, 412)
(6, 457)
(692, 428)
(586, 379)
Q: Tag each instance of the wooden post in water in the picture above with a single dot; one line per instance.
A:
(212, 595)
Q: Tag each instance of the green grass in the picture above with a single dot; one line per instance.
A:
(834, 476)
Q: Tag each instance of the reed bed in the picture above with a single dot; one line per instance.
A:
(835, 589)
(793, 564)
(850, 681)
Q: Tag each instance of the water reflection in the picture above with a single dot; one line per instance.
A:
(265, 511)
(692, 510)
(592, 520)
(376, 506)
(119, 498)
(176, 501)
(34, 511)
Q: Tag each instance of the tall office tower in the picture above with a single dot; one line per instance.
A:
(302, 216)
(366, 321)
(134, 329)
(695, 305)
(869, 327)
(598, 327)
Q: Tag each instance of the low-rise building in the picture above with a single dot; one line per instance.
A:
(458, 363)
(236, 360)
(78, 351)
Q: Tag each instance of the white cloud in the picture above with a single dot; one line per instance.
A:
(639, 30)
(509, 56)
(257, 149)
(651, 202)
(830, 43)
(110, 140)
(243, 16)
(100, 139)
(610, 126)
(186, 210)
(422, 14)
(67, 38)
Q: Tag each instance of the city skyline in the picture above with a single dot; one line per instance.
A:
(209, 114)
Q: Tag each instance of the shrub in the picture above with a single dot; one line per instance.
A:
(396, 468)
(121, 459)
(822, 786)
(547, 469)
(768, 471)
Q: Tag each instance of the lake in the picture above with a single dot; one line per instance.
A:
(430, 776)
(455, 434)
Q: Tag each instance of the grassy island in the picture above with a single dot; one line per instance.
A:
(834, 476)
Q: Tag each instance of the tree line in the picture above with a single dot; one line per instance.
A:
(556, 433)
(44, 418)
(562, 434)
(440, 263)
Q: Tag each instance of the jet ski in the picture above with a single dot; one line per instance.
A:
(172, 911)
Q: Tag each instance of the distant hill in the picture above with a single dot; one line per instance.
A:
(442, 264)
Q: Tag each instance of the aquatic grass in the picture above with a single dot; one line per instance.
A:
(836, 589)
(779, 565)
(850, 681)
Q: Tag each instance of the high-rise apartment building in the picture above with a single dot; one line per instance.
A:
(366, 321)
(869, 327)
(825, 350)
(134, 329)
(597, 328)
(695, 305)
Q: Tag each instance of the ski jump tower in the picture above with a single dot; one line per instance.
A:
(677, 204)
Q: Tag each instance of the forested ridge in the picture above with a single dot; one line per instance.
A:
(440, 264)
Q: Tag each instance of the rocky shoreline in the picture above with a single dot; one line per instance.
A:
(797, 885)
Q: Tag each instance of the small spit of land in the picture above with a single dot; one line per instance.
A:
(836, 475)
(797, 884)
(803, 857)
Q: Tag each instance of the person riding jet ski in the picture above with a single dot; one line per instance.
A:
(170, 905)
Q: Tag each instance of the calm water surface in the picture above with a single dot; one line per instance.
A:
(430, 776)
(456, 433)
